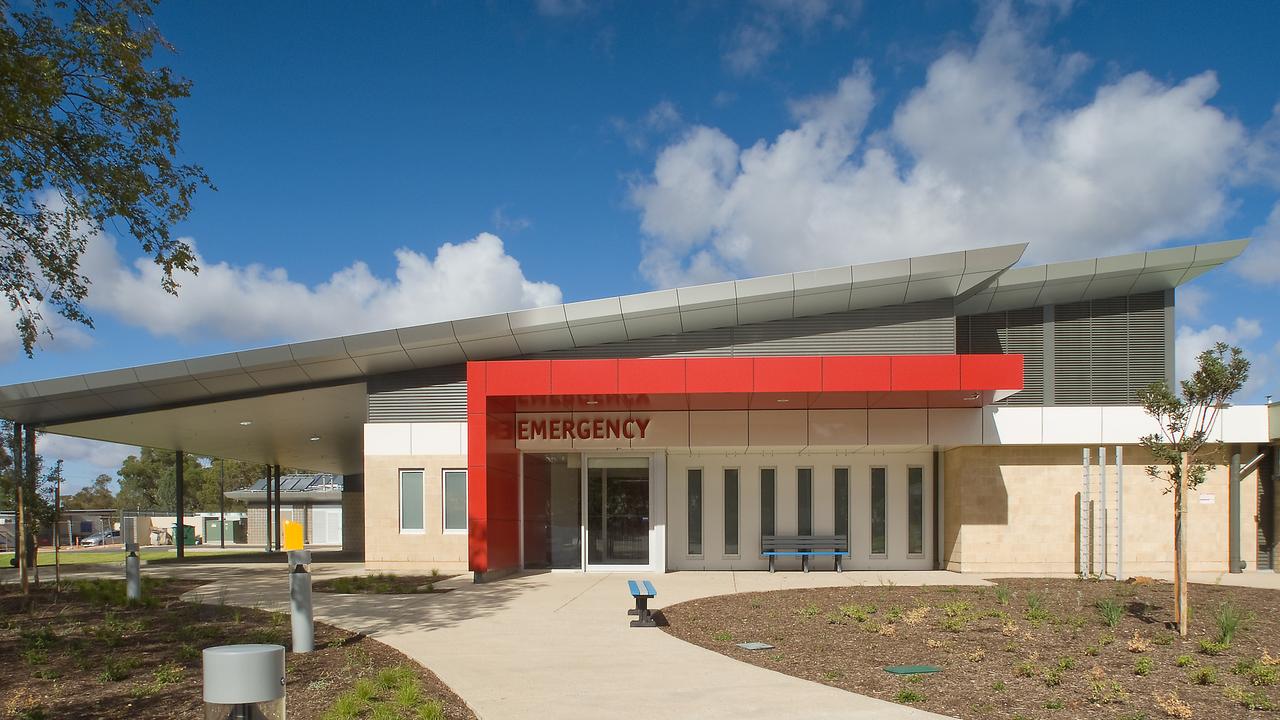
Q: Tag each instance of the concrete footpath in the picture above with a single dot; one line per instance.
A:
(558, 645)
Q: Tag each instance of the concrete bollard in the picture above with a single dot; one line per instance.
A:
(132, 573)
(300, 613)
(244, 682)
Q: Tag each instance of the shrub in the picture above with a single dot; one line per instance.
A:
(1251, 700)
(1002, 594)
(35, 656)
(1092, 651)
(1142, 666)
(1230, 620)
(1163, 639)
(1066, 662)
(1185, 661)
(1172, 706)
(858, 613)
(809, 611)
(1203, 676)
(1052, 678)
(1107, 692)
(1111, 611)
(1138, 644)
(1026, 669)
(1256, 672)
(113, 670)
(722, 636)
(1209, 647)
(998, 686)
(907, 696)
(167, 674)
(956, 624)
(957, 608)
(1054, 704)
(1106, 639)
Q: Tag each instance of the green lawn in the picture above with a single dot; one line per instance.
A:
(112, 556)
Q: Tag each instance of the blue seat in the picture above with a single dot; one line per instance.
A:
(642, 595)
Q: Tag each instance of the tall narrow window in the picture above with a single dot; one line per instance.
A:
(842, 501)
(730, 511)
(455, 501)
(695, 511)
(411, 508)
(804, 501)
(767, 513)
(878, 501)
(915, 511)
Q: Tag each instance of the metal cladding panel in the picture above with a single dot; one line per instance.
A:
(1018, 332)
(914, 329)
(437, 394)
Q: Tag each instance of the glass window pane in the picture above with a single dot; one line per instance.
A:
(842, 501)
(804, 501)
(731, 511)
(552, 511)
(455, 499)
(878, 500)
(695, 512)
(411, 500)
(915, 510)
(767, 476)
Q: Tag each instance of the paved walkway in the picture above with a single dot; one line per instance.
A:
(559, 645)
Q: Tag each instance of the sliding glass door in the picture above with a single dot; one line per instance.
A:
(617, 499)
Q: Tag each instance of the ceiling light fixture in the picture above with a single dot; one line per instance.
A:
(593, 402)
(972, 396)
(315, 438)
(246, 423)
(784, 400)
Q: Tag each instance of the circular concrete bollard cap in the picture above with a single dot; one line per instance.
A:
(243, 674)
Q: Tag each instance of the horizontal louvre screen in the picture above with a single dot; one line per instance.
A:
(430, 395)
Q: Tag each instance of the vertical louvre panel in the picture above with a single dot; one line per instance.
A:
(1108, 346)
(1072, 356)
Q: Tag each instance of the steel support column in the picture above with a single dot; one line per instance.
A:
(1233, 513)
(275, 470)
(267, 538)
(180, 531)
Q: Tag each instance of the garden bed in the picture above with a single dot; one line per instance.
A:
(86, 654)
(1027, 648)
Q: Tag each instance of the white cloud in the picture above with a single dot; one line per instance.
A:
(65, 335)
(986, 151)
(561, 8)
(502, 222)
(1191, 301)
(254, 302)
(1261, 261)
(759, 35)
(103, 457)
(1190, 342)
(658, 120)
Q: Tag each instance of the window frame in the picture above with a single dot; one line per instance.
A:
(422, 492)
(444, 502)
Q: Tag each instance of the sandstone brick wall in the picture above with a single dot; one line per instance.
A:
(1012, 509)
(386, 548)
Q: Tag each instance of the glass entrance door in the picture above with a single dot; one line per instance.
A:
(617, 511)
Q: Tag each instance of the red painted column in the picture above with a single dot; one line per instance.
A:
(477, 466)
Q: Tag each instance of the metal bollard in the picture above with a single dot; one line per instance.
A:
(132, 573)
(304, 636)
(244, 682)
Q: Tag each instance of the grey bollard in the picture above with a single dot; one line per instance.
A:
(132, 573)
(244, 682)
(304, 633)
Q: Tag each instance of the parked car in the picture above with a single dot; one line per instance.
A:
(106, 537)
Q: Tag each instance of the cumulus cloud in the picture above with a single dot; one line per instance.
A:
(1191, 302)
(986, 151)
(658, 120)
(1243, 333)
(1261, 262)
(100, 457)
(254, 302)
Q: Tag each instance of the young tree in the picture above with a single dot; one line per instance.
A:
(1179, 448)
(92, 497)
(88, 135)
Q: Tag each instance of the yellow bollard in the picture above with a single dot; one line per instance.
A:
(292, 535)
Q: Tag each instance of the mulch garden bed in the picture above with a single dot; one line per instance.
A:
(382, 584)
(1027, 648)
(84, 653)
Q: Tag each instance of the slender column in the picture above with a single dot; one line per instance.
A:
(222, 503)
(30, 467)
(1120, 512)
(267, 541)
(275, 470)
(180, 461)
(20, 523)
(1233, 512)
(1102, 493)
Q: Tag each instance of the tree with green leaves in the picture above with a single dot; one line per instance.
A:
(92, 497)
(1180, 448)
(88, 136)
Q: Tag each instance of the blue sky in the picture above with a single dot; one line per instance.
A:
(399, 163)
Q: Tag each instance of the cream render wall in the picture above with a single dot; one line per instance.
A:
(1012, 509)
(432, 448)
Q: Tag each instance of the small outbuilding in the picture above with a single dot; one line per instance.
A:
(313, 499)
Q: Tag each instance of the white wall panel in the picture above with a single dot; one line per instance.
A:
(388, 439)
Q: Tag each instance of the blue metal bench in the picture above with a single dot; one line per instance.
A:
(805, 546)
(644, 618)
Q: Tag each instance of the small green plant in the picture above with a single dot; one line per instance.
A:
(1054, 704)
(907, 696)
(1257, 672)
(1066, 662)
(47, 674)
(1106, 639)
(1110, 610)
(1026, 669)
(1209, 647)
(1143, 666)
(1002, 594)
(1251, 700)
(809, 611)
(832, 675)
(1092, 651)
(998, 686)
(1185, 661)
(1052, 678)
(188, 652)
(957, 624)
(113, 670)
(957, 608)
(722, 636)
(1107, 692)
(858, 613)
(1230, 620)
(1203, 676)
(35, 656)
(168, 674)
(1163, 639)
(365, 690)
